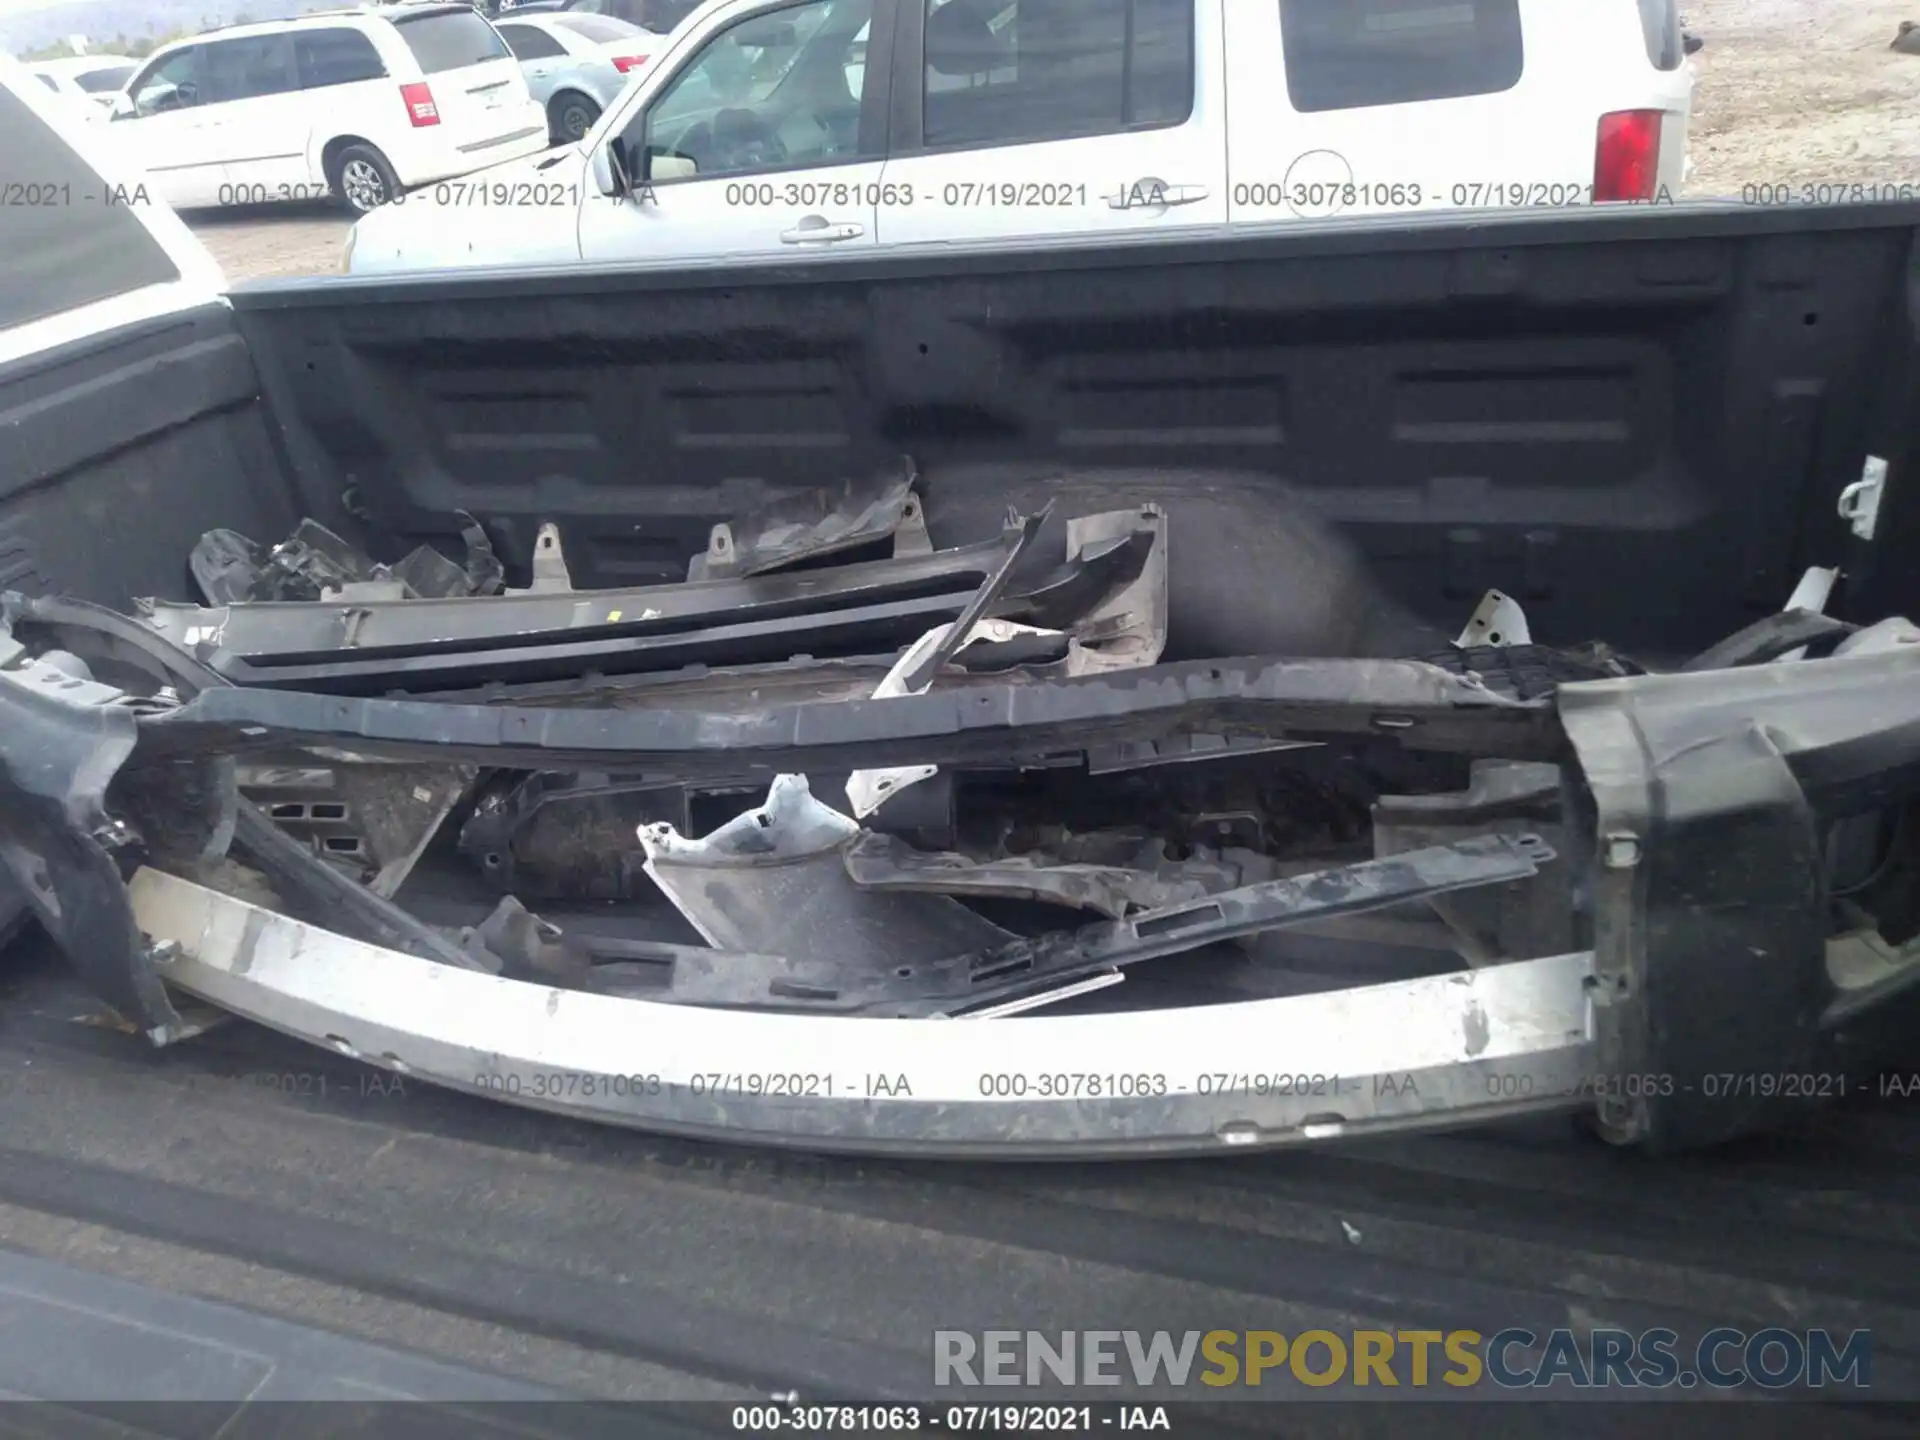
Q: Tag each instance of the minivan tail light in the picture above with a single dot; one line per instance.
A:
(1626, 155)
(624, 63)
(420, 107)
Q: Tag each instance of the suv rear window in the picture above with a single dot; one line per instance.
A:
(449, 40)
(1350, 54)
(74, 248)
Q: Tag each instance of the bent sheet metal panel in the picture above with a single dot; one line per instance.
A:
(1427, 1053)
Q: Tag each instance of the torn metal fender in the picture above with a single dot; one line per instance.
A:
(62, 741)
(1417, 1055)
(1708, 798)
(1421, 706)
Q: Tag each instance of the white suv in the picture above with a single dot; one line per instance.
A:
(363, 104)
(782, 127)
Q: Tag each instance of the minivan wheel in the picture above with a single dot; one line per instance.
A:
(362, 179)
(570, 116)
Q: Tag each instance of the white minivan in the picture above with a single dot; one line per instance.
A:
(360, 104)
(774, 127)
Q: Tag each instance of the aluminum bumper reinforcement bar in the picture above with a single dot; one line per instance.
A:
(1415, 1055)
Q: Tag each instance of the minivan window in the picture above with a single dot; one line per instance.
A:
(103, 82)
(450, 40)
(246, 69)
(529, 42)
(172, 83)
(48, 81)
(336, 57)
(1003, 73)
(1351, 54)
(71, 253)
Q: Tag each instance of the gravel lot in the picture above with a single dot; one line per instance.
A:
(1794, 92)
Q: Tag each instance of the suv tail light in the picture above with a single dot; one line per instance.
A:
(420, 107)
(1626, 156)
(624, 63)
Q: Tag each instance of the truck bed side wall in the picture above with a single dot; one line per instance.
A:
(116, 454)
(1639, 424)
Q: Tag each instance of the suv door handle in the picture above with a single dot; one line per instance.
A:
(818, 230)
(1150, 192)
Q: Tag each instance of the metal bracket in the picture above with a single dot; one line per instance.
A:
(1497, 622)
(1860, 501)
(550, 573)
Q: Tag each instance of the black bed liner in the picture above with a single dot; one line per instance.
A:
(621, 1266)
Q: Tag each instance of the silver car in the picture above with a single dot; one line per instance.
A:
(575, 63)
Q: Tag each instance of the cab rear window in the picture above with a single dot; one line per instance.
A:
(450, 40)
(1352, 54)
(67, 241)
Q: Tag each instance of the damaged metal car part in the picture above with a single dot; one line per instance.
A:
(310, 885)
(785, 879)
(773, 880)
(550, 835)
(367, 817)
(68, 746)
(263, 633)
(1411, 703)
(314, 564)
(1127, 628)
(1507, 922)
(1642, 822)
(1035, 967)
(428, 645)
(62, 741)
(815, 524)
(1420, 1054)
(882, 863)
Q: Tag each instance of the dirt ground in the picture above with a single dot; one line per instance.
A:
(1803, 92)
(1791, 92)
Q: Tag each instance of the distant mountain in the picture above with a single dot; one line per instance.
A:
(101, 21)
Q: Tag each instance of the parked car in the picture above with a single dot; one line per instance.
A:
(87, 82)
(760, 129)
(662, 17)
(575, 63)
(360, 104)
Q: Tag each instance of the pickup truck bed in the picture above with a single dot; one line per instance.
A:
(1638, 423)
